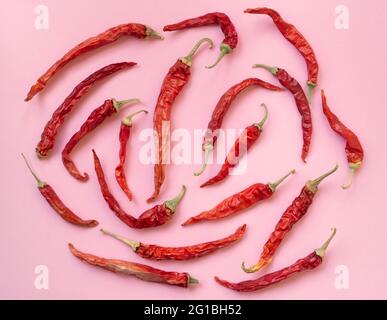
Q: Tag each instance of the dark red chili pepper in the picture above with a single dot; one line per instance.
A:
(156, 216)
(140, 271)
(289, 218)
(135, 30)
(52, 127)
(155, 252)
(310, 262)
(174, 82)
(239, 201)
(230, 40)
(295, 37)
(56, 203)
(248, 137)
(353, 148)
(301, 101)
(99, 115)
(220, 111)
(126, 125)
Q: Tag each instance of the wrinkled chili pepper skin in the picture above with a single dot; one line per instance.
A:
(52, 127)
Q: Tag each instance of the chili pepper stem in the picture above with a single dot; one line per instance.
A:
(309, 91)
(151, 33)
(133, 244)
(272, 70)
(188, 58)
(192, 280)
(128, 121)
(353, 167)
(224, 49)
(40, 183)
(322, 250)
(119, 104)
(274, 185)
(173, 203)
(207, 150)
(260, 124)
(313, 184)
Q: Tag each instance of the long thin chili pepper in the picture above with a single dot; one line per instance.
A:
(99, 115)
(59, 116)
(126, 125)
(230, 40)
(301, 102)
(295, 37)
(289, 218)
(174, 82)
(56, 203)
(248, 137)
(140, 271)
(135, 30)
(310, 262)
(239, 201)
(155, 252)
(156, 216)
(220, 111)
(353, 148)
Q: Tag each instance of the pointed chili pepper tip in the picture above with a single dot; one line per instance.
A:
(322, 250)
(274, 185)
(118, 104)
(128, 121)
(260, 124)
(224, 49)
(173, 203)
(151, 33)
(207, 151)
(188, 58)
(353, 167)
(312, 185)
(132, 244)
(272, 70)
(192, 280)
(40, 183)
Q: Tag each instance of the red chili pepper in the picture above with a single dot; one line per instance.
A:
(99, 115)
(301, 101)
(140, 271)
(289, 218)
(310, 262)
(248, 137)
(231, 37)
(155, 252)
(156, 216)
(239, 201)
(220, 111)
(56, 203)
(52, 127)
(174, 82)
(295, 37)
(135, 30)
(353, 148)
(126, 125)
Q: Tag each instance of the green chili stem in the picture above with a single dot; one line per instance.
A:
(224, 49)
(313, 184)
(273, 185)
(40, 183)
(192, 280)
(207, 151)
(128, 121)
(119, 104)
(322, 250)
(188, 58)
(173, 203)
(309, 91)
(132, 244)
(272, 70)
(151, 33)
(260, 124)
(353, 167)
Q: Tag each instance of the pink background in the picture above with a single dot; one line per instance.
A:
(352, 73)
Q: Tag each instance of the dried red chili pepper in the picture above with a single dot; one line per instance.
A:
(174, 82)
(135, 30)
(99, 115)
(289, 218)
(248, 137)
(140, 271)
(220, 111)
(230, 41)
(52, 127)
(310, 262)
(295, 37)
(156, 216)
(301, 101)
(56, 203)
(353, 148)
(155, 252)
(239, 201)
(126, 125)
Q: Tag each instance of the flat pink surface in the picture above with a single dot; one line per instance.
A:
(352, 73)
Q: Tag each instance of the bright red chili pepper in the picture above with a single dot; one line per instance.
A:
(59, 116)
(310, 262)
(353, 148)
(135, 30)
(289, 218)
(230, 41)
(56, 203)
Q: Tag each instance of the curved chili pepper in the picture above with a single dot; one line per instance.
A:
(310, 262)
(295, 37)
(289, 218)
(156, 216)
(247, 139)
(239, 201)
(220, 111)
(230, 40)
(301, 101)
(126, 125)
(174, 82)
(135, 30)
(140, 271)
(155, 252)
(353, 148)
(107, 109)
(52, 127)
(56, 203)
